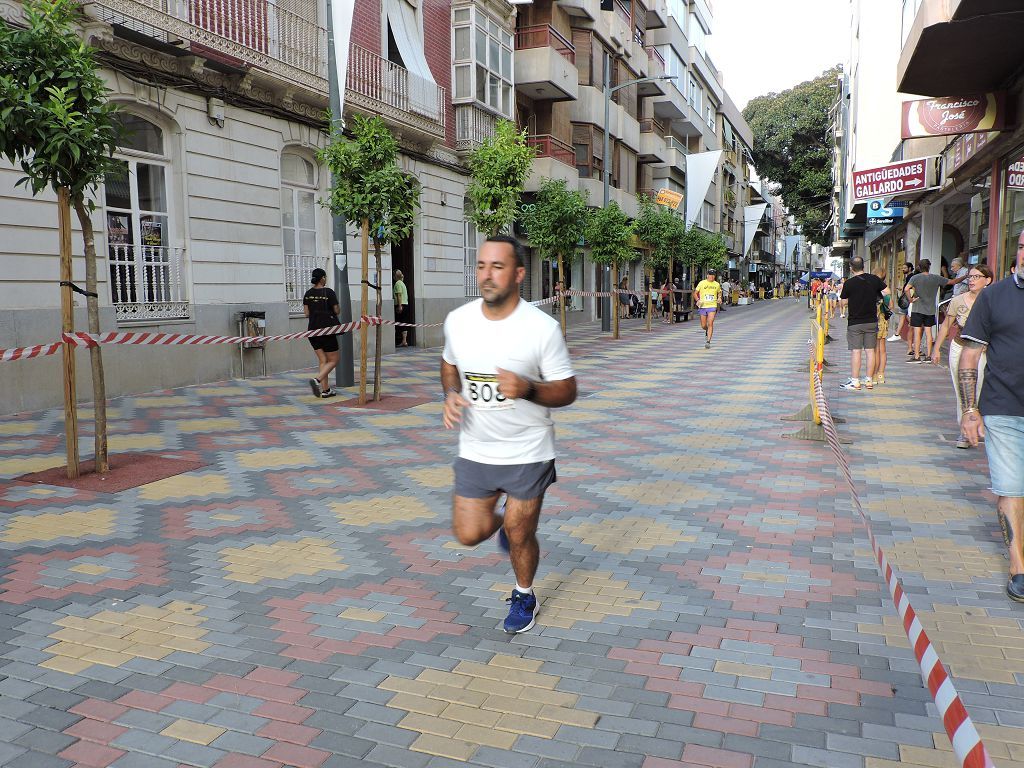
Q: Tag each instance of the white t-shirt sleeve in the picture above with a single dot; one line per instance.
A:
(448, 355)
(555, 364)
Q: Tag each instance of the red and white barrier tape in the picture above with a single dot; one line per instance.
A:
(967, 744)
(23, 353)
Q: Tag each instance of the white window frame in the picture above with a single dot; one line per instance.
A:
(470, 247)
(498, 43)
(158, 288)
(298, 265)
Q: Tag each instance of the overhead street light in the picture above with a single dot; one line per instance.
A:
(606, 304)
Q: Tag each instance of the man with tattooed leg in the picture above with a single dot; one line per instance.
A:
(996, 325)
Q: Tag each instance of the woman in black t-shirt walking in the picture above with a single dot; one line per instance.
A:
(320, 305)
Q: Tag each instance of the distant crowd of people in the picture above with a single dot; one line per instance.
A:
(983, 321)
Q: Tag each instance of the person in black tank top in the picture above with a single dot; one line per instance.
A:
(320, 305)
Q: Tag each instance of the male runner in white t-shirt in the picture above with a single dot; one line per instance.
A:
(504, 365)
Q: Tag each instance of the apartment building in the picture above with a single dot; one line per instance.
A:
(935, 53)
(217, 210)
(565, 52)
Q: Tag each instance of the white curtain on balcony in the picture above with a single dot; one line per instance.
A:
(422, 88)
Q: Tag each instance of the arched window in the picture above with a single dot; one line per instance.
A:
(146, 275)
(298, 225)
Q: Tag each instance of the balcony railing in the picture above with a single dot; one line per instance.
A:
(654, 55)
(147, 282)
(623, 10)
(548, 146)
(545, 36)
(679, 146)
(472, 126)
(376, 84)
(254, 33)
(652, 125)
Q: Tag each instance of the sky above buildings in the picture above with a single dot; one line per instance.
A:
(762, 46)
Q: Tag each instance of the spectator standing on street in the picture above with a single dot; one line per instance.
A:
(861, 293)
(996, 325)
(902, 311)
(726, 294)
(925, 288)
(979, 278)
(960, 274)
(401, 304)
(884, 313)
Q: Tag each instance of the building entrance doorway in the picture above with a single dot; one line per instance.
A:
(402, 260)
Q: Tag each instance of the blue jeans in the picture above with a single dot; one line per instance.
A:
(1004, 445)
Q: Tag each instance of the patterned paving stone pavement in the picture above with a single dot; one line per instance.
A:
(708, 599)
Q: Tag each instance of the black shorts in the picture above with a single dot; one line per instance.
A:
(324, 343)
(474, 480)
(917, 320)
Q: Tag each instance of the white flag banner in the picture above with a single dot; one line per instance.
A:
(700, 170)
(341, 31)
(752, 215)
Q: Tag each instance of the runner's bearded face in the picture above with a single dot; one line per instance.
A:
(497, 275)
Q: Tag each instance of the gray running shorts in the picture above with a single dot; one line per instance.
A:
(474, 480)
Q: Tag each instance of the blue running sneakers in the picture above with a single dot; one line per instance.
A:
(522, 612)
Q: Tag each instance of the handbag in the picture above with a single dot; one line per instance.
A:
(886, 312)
(903, 302)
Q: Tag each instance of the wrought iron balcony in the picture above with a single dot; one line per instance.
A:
(245, 33)
(148, 282)
(378, 86)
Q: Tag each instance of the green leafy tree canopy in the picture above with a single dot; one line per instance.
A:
(367, 182)
(57, 122)
(498, 169)
(703, 250)
(791, 148)
(660, 229)
(610, 234)
(558, 220)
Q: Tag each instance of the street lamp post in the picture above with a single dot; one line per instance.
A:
(606, 304)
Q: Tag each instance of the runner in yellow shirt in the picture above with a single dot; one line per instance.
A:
(708, 294)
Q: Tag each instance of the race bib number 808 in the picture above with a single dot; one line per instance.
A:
(482, 392)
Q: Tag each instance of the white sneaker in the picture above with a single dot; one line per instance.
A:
(850, 384)
(894, 337)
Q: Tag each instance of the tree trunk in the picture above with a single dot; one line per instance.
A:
(671, 291)
(99, 386)
(563, 297)
(650, 302)
(616, 300)
(364, 299)
(67, 321)
(379, 335)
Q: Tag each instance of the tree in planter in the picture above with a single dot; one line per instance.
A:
(557, 225)
(369, 190)
(658, 228)
(702, 250)
(498, 169)
(610, 234)
(60, 128)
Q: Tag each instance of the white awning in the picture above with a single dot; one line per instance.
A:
(422, 87)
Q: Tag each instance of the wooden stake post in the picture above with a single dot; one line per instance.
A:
(364, 298)
(67, 321)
